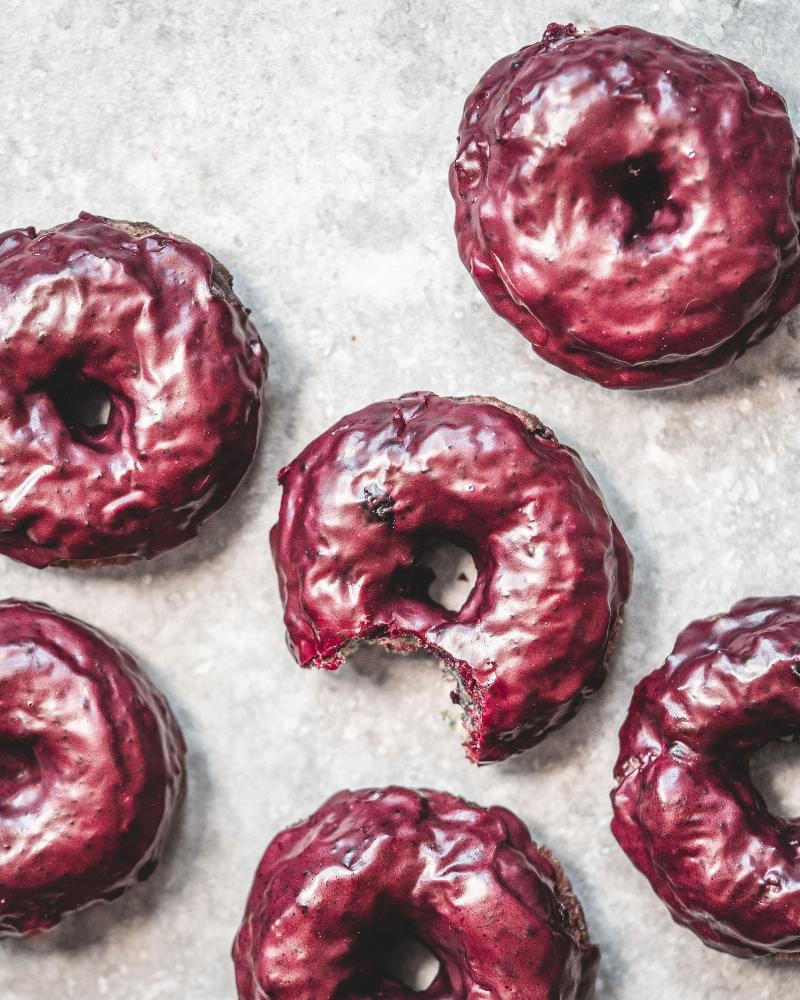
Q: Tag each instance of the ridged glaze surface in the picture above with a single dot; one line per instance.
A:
(152, 318)
(335, 894)
(362, 503)
(630, 203)
(91, 769)
(685, 809)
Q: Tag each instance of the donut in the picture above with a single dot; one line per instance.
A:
(91, 769)
(365, 501)
(335, 895)
(685, 808)
(630, 204)
(98, 314)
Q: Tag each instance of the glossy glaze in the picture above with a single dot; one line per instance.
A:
(152, 318)
(91, 769)
(630, 203)
(363, 502)
(685, 809)
(335, 894)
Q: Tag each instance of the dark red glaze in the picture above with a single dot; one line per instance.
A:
(685, 809)
(363, 503)
(334, 895)
(629, 203)
(91, 769)
(151, 318)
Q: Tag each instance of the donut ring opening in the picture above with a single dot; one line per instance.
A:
(453, 573)
(20, 770)
(392, 958)
(642, 187)
(774, 771)
(413, 964)
(84, 404)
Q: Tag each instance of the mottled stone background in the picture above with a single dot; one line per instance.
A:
(307, 146)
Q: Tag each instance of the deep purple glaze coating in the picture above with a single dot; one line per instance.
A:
(685, 809)
(91, 769)
(335, 894)
(630, 203)
(152, 318)
(363, 502)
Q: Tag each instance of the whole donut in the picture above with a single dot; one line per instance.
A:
(362, 504)
(334, 895)
(629, 203)
(148, 319)
(91, 769)
(685, 809)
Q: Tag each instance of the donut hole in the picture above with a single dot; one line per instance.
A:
(644, 188)
(411, 963)
(443, 574)
(19, 768)
(452, 574)
(389, 958)
(83, 404)
(773, 771)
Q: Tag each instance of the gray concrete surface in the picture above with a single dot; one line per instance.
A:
(307, 146)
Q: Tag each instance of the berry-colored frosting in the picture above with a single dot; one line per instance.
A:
(150, 319)
(629, 203)
(334, 895)
(91, 769)
(363, 503)
(685, 809)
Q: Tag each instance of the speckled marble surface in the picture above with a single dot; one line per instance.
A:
(307, 147)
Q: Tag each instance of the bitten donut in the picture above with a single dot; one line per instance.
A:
(91, 769)
(98, 310)
(335, 895)
(630, 204)
(685, 809)
(364, 502)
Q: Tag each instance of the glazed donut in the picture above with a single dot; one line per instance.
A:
(363, 503)
(630, 204)
(334, 895)
(97, 308)
(685, 809)
(91, 769)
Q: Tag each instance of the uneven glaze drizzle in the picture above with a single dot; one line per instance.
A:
(629, 203)
(362, 503)
(151, 319)
(335, 894)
